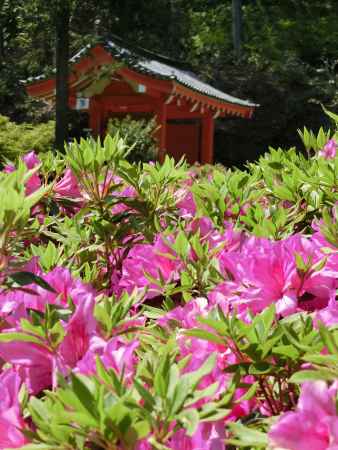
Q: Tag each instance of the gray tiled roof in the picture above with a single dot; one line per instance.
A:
(145, 62)
(152, 66)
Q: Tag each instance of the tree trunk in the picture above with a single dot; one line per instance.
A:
(62, 19)
(237, 26)
(2, 47)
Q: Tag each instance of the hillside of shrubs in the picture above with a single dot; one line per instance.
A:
(154, 307)
(18, 139)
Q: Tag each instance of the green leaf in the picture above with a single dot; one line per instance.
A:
(101, 371)
(202, 393)
(263, 322)
(286, 350)
(276, 165)
(142, 428)
(181, 245)
(24, 278)
(84, 395)
(322, 359)
(39, 408)
(249, 393)
(333, 116)
(210, 412)
(190, 420)
(161, 379)
(260, 368)
(243, 182)
(196, 376)
(247, 437)
(40, 446)
(203, 334)
(328, 338)
(149, 401)
(21, 337)
(217, 325)
(181, 392)
(312, 375)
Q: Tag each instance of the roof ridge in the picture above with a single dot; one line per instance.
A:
(141, 51)
(148, 63)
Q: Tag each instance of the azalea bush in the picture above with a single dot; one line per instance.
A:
(147, 306)
(18, 139)
(139, 134)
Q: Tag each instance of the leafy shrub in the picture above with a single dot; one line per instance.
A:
(137, 132)
(18, 139)
(160, 307)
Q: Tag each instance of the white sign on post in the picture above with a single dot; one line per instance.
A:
(82, 103)
(141, 88)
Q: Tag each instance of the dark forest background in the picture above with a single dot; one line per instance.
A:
(288, 61)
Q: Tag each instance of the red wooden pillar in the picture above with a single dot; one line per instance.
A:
(162, 132)
(95, 116)
(207, 145)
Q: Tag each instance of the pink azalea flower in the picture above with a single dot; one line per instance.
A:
(329, 315)
(80, 328)
(208, 436)
(129, 192)
(185, 316)
(11, 420)
(67, 186)
(186, 203)
(109, 180)
(262, 272)
(38, 362)
(31, 161)
(60, 279)
(330, 149)
(150, 259)
(313, 425)
(116, 354)
(33, 361)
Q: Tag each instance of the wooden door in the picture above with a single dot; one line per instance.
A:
(183, 138)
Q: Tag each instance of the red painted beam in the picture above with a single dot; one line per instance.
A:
(151, 83)
(95, 116)
(129, 109)
(230, 108)
(162, 132)
(207, 144)
(126, 100)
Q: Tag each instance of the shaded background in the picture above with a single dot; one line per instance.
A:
(288, 62)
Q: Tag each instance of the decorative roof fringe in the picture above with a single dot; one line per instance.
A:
(194, 107)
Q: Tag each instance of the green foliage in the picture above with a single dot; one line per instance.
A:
(92, 162)
(102, 410)
(303, 30)
(265, 348)
(138, 134)
(99, 233)
(273, 352)
(15, 209)
(199, 274)
(261, 357)
(18, 139)
(284, 191)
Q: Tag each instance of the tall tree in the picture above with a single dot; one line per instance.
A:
(62, 22)
(237, 26)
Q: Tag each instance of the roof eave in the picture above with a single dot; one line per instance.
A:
(242, 108)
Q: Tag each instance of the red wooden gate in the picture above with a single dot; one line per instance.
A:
(183, 138)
